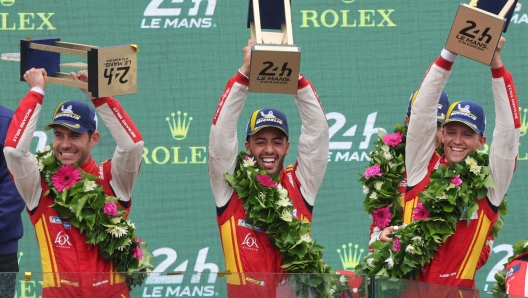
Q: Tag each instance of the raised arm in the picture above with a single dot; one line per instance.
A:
(20, 161)
(223, 141)
(422, 126)
(313, 143)
(505, 145)
(127, 155)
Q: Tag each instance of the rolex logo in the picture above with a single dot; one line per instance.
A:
(350, 259)
(178, 126)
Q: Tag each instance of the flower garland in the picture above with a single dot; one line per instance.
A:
(383, 176)
(520, 247)
(453, 191)
(80, 200)
(268, 206)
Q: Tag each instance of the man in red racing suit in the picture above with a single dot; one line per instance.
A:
(249, 255)
(455, 261)
(70, 266)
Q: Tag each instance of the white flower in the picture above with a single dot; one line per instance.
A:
(333, 290)
(248, 162)
(306, 238)
(116, 220)
(47, 155)
(391, 164)
(342, 279)
(390, 262)
(370, 262)
(387, 155)
(418, 239)
(442, 196)
(39, 163)
(117, 232)
(525, 244)
(283, 192)
(46, 148)
(373, 196)
(385, 148)
(475, 169)
(90, 185)
(470, 161)
(131, 224)
(283, 202)
(410, 249)
(286, 216)
(365, 190)
(262, 195)
(378, 185)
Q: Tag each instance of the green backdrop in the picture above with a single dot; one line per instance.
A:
(363, 57)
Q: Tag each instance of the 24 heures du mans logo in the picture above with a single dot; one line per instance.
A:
(342, 135)
(178, 125)
(179, 14)
(348, 15)
(13, 19)
(519, 17)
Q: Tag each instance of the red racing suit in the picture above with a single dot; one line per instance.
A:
(249, 254)
(71, 267)
(456, 260)
(517, 276)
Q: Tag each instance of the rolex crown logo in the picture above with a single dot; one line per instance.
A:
(350, 259)
(178, 126)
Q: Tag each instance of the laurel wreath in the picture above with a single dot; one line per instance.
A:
(382, 191)
(268, 206)
(84, 206)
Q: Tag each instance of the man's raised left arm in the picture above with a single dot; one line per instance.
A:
(313, 142)
(505, 145)
(128, 153)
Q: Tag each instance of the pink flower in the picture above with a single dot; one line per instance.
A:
(456, 180)
(375, 170)
(110, 208)
(396, 244)
(420, 212)
(344, 295)
(393, 139)
(266, 181)
(137, 239)
(382, 217)
(66, 177)
(138, 253)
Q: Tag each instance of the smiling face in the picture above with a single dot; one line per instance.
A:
(269, 146)
(72, 147)
(459, 140)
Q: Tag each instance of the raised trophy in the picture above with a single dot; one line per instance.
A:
(477, 28)
(113, 69)
(275, 60)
